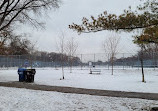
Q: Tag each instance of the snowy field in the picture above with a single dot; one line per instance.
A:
(14, 99)
(122, 80)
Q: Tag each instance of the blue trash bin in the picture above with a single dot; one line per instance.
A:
(21, 74)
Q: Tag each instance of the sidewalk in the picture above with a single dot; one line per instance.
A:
(149, 96)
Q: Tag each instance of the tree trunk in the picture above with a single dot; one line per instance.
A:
(112, 69)
(142, 67)
(62, 65)
(109, 61)
(63, 71)
(71, 64)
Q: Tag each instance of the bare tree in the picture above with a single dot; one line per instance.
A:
(110, 46)
(71, 48)
(14, 12)
(17, 43)
(22, 11)
(5, 36)
(11, 43)
(61, 49)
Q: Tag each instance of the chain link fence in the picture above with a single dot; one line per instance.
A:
(121, 60)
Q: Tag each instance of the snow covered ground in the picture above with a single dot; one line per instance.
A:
(122, 80)
(14, 99)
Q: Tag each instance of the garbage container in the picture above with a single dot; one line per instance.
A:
(21, 74)
(29, 75)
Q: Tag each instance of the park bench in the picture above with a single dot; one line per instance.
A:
(95, 71)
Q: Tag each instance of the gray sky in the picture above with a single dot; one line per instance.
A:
(73, 11)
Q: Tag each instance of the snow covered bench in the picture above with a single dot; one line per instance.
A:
(95, 71)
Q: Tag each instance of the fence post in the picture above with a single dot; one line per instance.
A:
(7, 62)
(19, 60)
(11, 62)
(138, 61)
(94, 59)
(81, 61)
(123, 62)
(154, 60)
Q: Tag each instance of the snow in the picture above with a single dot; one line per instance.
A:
(14, 99)
(122, 80)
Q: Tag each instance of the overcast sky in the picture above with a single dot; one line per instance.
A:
(73, 11)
